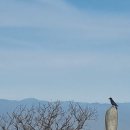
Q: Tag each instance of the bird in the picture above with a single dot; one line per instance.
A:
(113, 103)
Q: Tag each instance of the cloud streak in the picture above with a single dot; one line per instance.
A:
(60, 60)
(65, 18)
(51, 45)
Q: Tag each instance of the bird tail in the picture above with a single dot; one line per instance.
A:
(116, 107)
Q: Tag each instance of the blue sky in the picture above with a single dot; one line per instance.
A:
(65, 50)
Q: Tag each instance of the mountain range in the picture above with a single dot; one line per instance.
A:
(98, 124)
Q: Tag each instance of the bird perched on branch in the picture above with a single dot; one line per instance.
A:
(113, 103)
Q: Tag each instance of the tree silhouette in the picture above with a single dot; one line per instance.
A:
(51, 116)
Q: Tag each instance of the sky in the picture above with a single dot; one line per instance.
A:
(68, 50)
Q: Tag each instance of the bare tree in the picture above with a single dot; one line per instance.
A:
(51, 116)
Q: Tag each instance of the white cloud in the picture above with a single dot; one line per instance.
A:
(43, 60)
(59, 15)
(29, 60)
(32, 23)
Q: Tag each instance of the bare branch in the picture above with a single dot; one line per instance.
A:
(51, 116)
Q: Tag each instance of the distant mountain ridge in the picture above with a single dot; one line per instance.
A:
(123, 111)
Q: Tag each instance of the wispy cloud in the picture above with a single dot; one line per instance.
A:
(65, 21)
(53, 44)
(30, 60)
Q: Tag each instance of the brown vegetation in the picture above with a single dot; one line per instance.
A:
(51, 116)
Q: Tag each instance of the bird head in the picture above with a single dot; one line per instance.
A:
(110, 98)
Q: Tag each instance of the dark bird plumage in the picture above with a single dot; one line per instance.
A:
(113, 103)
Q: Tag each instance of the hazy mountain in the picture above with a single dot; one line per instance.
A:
(123, 111)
